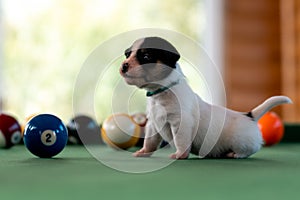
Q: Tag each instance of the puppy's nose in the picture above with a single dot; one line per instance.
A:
(125, 67)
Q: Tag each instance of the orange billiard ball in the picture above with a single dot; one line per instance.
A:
(271, 127)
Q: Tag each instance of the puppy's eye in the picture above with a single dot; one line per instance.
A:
(127, 54)
(146, 57)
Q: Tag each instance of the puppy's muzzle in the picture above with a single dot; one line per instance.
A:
(125, 68)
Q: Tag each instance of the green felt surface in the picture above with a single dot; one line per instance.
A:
(272, 173)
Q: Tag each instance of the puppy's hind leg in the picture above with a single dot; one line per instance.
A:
(243, 152)
(236, 155)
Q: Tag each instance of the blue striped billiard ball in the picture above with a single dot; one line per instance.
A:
(45, 135)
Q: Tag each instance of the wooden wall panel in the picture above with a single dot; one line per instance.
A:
(252, 52)
(290, 40)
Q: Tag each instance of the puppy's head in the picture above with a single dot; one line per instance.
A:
(148, 61)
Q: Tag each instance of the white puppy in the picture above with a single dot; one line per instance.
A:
(179, 116)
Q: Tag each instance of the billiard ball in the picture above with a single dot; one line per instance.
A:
(141, 120)
(26, 120)
(119, 131)
(10, 131)
(272, 128)
(24, 124)
(83, 129)
(45, 135)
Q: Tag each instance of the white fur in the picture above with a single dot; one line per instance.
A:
(189, 124)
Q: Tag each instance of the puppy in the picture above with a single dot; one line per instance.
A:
(179, 116)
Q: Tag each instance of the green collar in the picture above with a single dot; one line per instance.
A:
(160, 90)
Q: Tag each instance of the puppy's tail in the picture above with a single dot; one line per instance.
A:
(267, 105)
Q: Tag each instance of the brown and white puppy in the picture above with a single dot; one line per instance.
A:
(179, 116)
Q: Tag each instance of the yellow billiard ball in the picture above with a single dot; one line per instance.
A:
(119, 131)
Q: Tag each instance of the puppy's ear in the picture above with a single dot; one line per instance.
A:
(168, 58)
(162, 50)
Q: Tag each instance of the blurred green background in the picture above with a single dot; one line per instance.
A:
(46, 42)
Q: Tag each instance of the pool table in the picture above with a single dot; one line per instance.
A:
(272, 173)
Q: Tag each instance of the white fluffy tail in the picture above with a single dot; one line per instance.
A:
(267, 105)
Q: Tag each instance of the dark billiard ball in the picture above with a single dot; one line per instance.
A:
(45, 135)
(10, 131)
(83, 129)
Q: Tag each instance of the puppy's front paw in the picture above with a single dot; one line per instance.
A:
(179, 155)
(142, 153)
